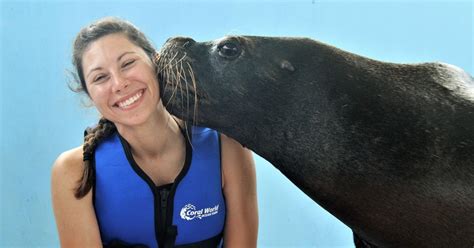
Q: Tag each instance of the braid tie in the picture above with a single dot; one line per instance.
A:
(86, 156)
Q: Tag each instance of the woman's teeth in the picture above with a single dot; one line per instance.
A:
(134, 98)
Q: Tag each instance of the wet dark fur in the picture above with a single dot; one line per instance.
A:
(386, 148)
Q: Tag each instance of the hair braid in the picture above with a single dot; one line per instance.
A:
(91, 140)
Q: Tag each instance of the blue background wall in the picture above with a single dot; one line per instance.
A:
(40, 117)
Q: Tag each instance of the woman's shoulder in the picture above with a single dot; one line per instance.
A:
(232, 145)
(236, 159)
(68, 165)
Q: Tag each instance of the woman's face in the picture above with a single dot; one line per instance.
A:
(121, 80)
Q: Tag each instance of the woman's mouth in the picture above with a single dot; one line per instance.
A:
(129, 102)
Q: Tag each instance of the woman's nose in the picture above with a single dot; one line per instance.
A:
(119, 83)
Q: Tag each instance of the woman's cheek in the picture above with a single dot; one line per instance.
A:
(97, 98)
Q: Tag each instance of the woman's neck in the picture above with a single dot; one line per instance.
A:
(154, 137)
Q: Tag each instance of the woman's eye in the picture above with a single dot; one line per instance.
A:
(99, 78)
(128, 63)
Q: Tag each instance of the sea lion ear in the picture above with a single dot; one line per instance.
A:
(286, 65)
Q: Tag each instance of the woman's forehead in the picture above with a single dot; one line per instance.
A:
(108, 49)
(110, 44)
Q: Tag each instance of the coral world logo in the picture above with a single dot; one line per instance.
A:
(189, 212)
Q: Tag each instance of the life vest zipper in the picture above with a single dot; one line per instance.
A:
(163, 195)
(163, 203)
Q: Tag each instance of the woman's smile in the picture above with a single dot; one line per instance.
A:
(131, 101)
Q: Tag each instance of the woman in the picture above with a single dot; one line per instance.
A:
(141, 179)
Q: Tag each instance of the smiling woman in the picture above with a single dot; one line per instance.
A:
(121, 81)
(143, 177)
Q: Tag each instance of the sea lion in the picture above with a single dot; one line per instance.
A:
(386, 148)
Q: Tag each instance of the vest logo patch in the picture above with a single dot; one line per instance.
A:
(189, 212)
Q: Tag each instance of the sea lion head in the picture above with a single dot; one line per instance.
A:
(249, 75)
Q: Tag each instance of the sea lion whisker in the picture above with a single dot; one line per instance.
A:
(193, 80)
(186, 84)
(170, 61)
(182, 58)
(177, 60)
(171, 83)
(163, 59)
(178, 72)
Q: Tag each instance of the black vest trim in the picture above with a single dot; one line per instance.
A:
(161, 232)
(208, 243)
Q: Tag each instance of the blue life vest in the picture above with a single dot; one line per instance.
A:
(131, 209)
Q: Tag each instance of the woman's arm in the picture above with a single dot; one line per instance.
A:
(75, 218)
(239, 184)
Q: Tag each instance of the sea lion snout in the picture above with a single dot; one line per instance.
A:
(180, 41)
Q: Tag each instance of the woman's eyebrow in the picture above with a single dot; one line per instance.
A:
(123, 54)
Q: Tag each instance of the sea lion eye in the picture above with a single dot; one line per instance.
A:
(229, 50)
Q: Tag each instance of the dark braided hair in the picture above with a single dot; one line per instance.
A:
(86, 36)
(91, 139)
